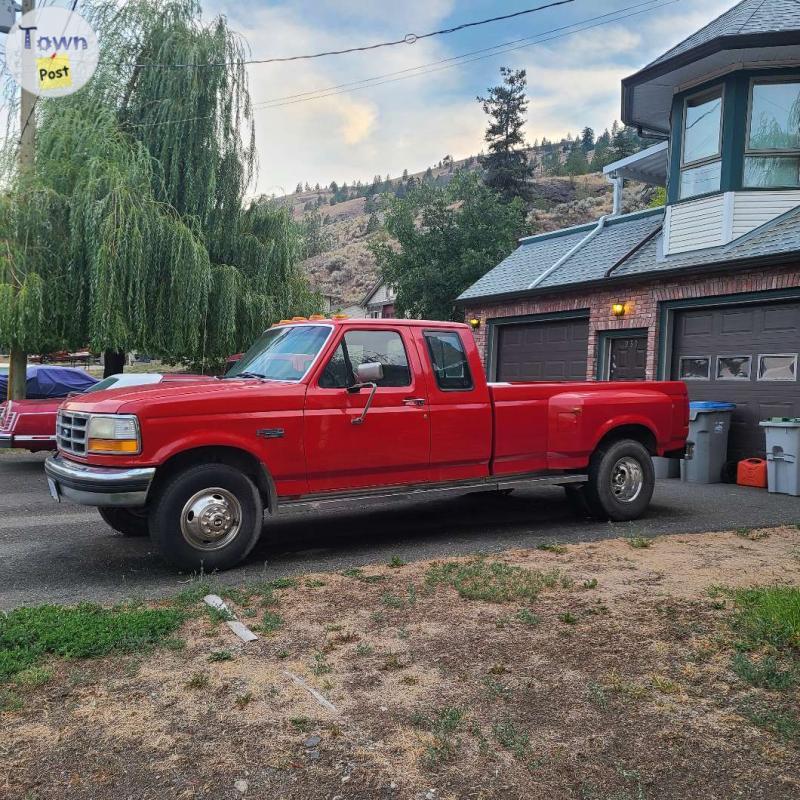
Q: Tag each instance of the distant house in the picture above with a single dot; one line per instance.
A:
(379, 301)
(705, 289)
(332, 304)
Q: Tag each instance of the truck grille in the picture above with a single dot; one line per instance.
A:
(71, 432)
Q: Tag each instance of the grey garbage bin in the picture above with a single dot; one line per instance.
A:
(783, 449)
(709, 423)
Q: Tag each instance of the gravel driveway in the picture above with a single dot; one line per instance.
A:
(65, 553)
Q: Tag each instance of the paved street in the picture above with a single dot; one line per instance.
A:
(65, 553)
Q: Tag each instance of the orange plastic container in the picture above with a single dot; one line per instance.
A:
(752, 472)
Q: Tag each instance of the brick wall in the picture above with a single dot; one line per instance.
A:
(643, 302)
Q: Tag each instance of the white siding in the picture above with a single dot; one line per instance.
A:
(751, 209)
(720, 219)
(695, 225)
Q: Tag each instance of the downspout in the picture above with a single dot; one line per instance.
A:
(586, 239)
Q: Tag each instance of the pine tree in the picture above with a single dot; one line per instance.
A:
(587, 139)
(507, 167)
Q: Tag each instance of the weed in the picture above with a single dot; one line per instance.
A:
(590, 584)
(85, 631)
(33, 677)
(568, 618)
(270, 622)
(393, 662)
(443, 725)
(527, 617)
(219, 614)
(283, 583)
(249, 612)
(552, 547)
(378, 617)
(492, 581)
(640, 542)
(392, 600)
(510, 737)
(243, 700)
(315, 584)
(497, 689)
(334, 628)
(364, 649)
(199, 680)
(664, 685)
(9, 701)
(346, 637)
(498, 669)
(753, 534)
(631, 689)
(321, 666)
(765, 674)
(402, 633)
(282, 654)
(409, 680)
(717, 605)
(395, 562)
(175, 644)
(784, 725)
(359, 575)
(221, 655)
(597, 694)
(302, 724)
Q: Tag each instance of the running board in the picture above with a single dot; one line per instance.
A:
(493, 484)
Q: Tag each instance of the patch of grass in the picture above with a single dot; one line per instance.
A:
(321, 666)
(358, 574)
(243, 700)
(785, 725)
(33, 677)
(364, 649)
(497, 689)
(597, 694)
(616, 683)
(768, 616)
(491, 581)
(174, 643)
(442, 726)
(568, 618)
(590, 584)
(765, 674)
(282, 654)
(199, 680)
(753, 534)
(395, 562)
(315, 584)
(283, 583)
(664, 684)
(85, 631)
(392, 600)
(302, 724)
(221, 655)
(552, 547)
(527, 617)
(220, 614)
(9, 701)
(409, 680)
(639, 542)
(511, 737)
(393, 662)
(270, 622)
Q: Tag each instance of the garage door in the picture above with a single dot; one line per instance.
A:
(743, 354)
(543, 351)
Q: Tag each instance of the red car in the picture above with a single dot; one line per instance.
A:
(31, 424)
(337, 410)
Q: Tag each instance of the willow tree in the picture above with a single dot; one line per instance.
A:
(130, 232)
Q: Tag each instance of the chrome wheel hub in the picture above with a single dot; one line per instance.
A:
(627, 479)
(211, 519)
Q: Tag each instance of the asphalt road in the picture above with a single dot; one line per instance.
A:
(65, 553)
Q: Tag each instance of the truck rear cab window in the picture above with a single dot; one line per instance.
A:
(361, 347)
(449, 361)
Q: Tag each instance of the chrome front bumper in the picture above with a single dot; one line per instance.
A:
(97, 486)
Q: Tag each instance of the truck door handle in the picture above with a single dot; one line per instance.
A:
(414, 401)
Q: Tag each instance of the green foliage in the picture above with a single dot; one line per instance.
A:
(449, 237)
(492, 581)
(131, 222)
(768, 616)
(507, 169)
(86, 631)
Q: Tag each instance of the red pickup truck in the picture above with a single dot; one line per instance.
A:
(340, 410)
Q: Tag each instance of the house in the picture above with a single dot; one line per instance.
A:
(705, 289)
(379, 301)
(333, 304)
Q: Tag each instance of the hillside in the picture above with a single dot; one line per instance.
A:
(347, 270)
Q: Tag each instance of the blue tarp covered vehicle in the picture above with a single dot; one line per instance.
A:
(50, 382)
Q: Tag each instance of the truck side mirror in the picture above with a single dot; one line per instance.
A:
(369, 372)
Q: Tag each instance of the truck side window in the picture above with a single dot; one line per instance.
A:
(449, 360)
(359, 347)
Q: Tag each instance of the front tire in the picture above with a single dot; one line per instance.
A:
(127, 521)
(208, 517)
(621, 481)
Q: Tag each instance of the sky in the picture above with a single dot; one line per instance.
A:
(354, 134)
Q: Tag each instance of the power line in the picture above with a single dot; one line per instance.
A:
(409, 38)
(368, 83)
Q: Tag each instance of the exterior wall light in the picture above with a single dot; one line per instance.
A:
(618, 309)
(475, 323)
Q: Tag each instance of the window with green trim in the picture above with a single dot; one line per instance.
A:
(701, 156)
(772, 158)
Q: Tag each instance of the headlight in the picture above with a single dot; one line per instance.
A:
(114, 433)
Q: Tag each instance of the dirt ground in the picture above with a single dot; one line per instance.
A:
(614, 683)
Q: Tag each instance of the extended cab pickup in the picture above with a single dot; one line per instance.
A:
(342, 410)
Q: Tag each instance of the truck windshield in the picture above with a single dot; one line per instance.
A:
(282, 354)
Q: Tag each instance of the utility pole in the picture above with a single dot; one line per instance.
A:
(18, 362)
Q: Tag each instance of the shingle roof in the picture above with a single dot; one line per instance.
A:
(630, 244)
(747, 17)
